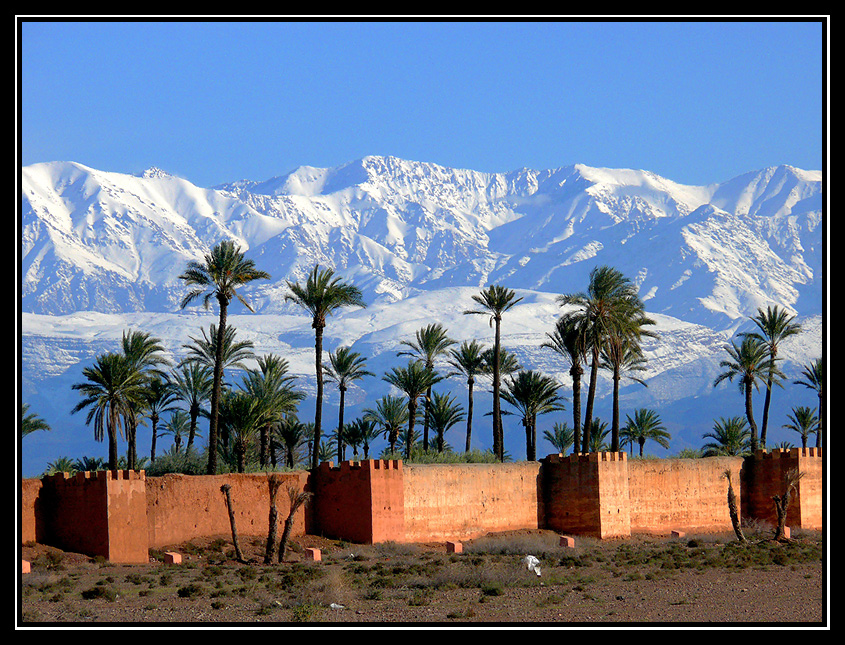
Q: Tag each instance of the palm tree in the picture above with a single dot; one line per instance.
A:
(159, 397)
(223, 271)
(31, 422)
(494, 302)
(468, 359)
(391, 413)
(192, 384)
(622, 353)
(561, 436)
(444, 412)
(235, 353)
(270, 384)
(532, 393)
(731, 438)
(431, 342)
(360, 433)
(242, 414)
(569, 340)
(293, 434)
(645, 425)
(749, 363)
(344, 367)
(804, 421)
(598, 436)
(322, 294)
(775, 326)
(814, 379)
(113, 391)
(611, 307)
(414, 380)
(177, 427)
(144, 354)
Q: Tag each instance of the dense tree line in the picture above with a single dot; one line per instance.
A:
(256, 420)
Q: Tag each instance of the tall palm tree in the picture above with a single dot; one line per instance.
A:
(160, 397)
(391, 413)
(243, 415)
(431, 342)
(732, 438)
(344, 367)
(814, 379)
(222, 272)
(532, 393)
(561, 436)
(271, 385)
(444, 412)
(322, 294)
(749, 363)
(775, 326)
(145, 355)
(31, 422)
(468, 359)
(113, 390)
(569, 340)
(494, 302)
(804, 421)
(235, 353)
(293, 434)
(177, 427)
(645, 425)
(622, 354)
(608, 308)
(192, 383)
(414, 380)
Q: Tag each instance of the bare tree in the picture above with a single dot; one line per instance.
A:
(732, 508)
(782, 501)
(297, 499)
(227, 490)
(274, 483)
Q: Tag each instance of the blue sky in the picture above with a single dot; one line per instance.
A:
(696, 102)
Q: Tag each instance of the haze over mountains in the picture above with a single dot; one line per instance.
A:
(101, 252)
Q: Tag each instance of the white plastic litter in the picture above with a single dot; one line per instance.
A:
(532, 563)
(336, 606)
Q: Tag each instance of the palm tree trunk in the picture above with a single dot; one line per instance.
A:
(766, 413)
(215, 387)
(412, 413)
(318, 413)
(576, 406)
(591, 395)
(340, 445)
(614, 430)
(112, 430)
(273, 521)
(425, 418)
(749, 412)
(498, 434)
(227, 490)
(192, 430)
(154, 421)
(469, 413)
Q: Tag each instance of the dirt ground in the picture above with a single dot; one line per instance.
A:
(649, 581)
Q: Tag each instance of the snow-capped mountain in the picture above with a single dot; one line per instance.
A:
(102, 252)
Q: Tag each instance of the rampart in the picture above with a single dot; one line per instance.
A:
(121, 515)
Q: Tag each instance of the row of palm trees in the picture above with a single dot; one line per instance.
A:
(601, 328)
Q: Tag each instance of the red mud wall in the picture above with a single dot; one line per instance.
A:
(360, 501)
(461, 501)
(588, 494)
(765, 476)
(183, 507)
(684, 494)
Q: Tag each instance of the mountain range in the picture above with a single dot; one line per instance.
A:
(101, 252)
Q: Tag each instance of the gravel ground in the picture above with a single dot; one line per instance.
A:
(650, 581)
